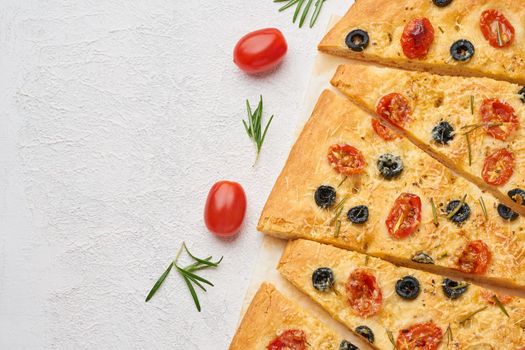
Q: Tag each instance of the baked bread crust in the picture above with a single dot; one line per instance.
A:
(489, 327)
(434, 98)
(270, 313)
(291, 211)
(385, 20)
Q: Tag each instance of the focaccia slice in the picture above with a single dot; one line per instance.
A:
(272, 319)
(360, 291)
(419, 35)
(472, 125)
(377, 212)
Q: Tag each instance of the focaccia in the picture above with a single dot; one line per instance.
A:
(394, 304)
(472, 125)
(377, 211)
(466, 37)
(273, 320)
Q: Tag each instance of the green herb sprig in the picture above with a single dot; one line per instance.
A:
(484, 208)
(299, 7)
(500, 305)
(470, 315)
(254, 126)
(188, 274)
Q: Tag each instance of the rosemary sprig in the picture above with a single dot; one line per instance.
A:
(391, 338)
(500, 305)
(342, 181)
(337, 228)
(434, 212)
(472, 105)
(457, 208)
(472, 314)
(474, 127)
(469, 147)
(254, 126)
(449, 335)
(188, 274)
(441, 29)
(484, 208)
(338, 210)
(299, 7)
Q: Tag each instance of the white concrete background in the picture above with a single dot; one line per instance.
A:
(116, 117)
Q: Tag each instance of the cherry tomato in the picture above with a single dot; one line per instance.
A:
(346, 159)
(405, 216)
(394, 108)
(475, 258)
(260, 51)
(363, 292)
(225, 208)
(496, 28)
(383, 131)
(291, 339)
(489, 295)
(498, 167)
(417, 38)
(421, 336)
(499, 118)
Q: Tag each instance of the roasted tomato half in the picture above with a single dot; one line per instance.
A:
(421, 336)
(475, 258)
(498, 167)
(405, 216)
(346, 159)
(292, 339)
(417, 38)
(499, 118)
(394, 108)
(383, 131)
(496, 28)
(363, 292)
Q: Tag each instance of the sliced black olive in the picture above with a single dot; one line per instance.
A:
(325, 196)
(518, 196)
(461, 215)
(346, 345)
(390, 166)
(357, 40)
(442, 3)
(454, 289)
(407, 287)
(422, 258)
(323, 279)
(366, 333)
(443, 133)
(462, 50)
(522, 94)
(358, 215)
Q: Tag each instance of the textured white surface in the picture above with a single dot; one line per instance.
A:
(116, 117)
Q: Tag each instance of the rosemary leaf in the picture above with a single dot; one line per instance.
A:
(298, 10)
(302, 10)
(472, 105)
(193, 293)
(469, 147)
(434, 212)
(288, 5)
(484, 208)
(500, 305)
(318, 6)
(206, 261)
(305, 13)
(472, 314)
(159, 282)
(342, 181)
(449, 335)
(337, 228)
(391, 338)
(441, 29)
(193, 276)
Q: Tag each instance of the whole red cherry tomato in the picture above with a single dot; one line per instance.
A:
(225, 208)
(260, 51)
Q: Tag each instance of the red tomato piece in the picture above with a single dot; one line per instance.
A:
(363, 292)
(489, 295)
(417, 38)
(499, 118)
(291, 339)
(260, 51)
(383, 131)
(496, 28)
(475, 258)
(225, 208)
(346, 159)
(394, 108)
(405, 216)
(421, 336)
(498, 167)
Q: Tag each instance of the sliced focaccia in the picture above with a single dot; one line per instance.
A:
(345, 185)
(272, 322)
(472, 125)
(462, 37)
(412, 309)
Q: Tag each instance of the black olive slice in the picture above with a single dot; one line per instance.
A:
(325, 196)
(518, 196)
(461, 215)
(366, 333)
(443, 133)
(422, 258)
(454, 289)
(407, 287)
(358, 215)
(521, 93)
(390, 166)
(442, 3)
(346, 345)
(462, 50)
(357, 40)
(323, 279)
